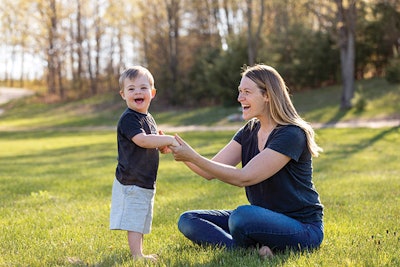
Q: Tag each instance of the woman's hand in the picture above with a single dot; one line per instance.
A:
(166, 149)
(183, 152)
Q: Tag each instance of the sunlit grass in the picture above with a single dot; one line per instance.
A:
(56, 190)
(323, 105)
(56, 176)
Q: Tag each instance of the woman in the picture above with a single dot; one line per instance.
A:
(275, 148)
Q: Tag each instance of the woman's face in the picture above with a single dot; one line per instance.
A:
(253, 102)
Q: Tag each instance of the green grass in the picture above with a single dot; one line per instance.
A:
(56, 187)
(56, 173)
(382, 100)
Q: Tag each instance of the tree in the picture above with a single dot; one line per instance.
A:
(173, 20)
(190, 44)
(76, 52)
(253, 39)
(48, 12)
(346, 28)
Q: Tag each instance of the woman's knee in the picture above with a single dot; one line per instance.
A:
(184, 222)
(239, 219)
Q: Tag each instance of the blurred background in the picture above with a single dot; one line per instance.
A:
(196, 49)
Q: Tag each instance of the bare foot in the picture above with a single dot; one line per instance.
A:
(265, 252)
(151, 257)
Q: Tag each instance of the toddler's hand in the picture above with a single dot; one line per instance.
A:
(167, 149)
(174, 143)
(164, 150)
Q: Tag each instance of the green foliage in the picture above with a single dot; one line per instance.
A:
(216, 74)
(359, 102)
(183, 47)
(376, 37)
(393, 71)
(202, 87)
(305, 59)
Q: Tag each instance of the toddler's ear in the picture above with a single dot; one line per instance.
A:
(121, 92)
(153, 92)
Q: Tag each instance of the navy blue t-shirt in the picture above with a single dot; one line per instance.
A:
(136, 165)
(290, 191)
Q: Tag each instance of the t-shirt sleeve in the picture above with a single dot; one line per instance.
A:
(130, 126)
(242, 133)
(290, 141)
(238, 136)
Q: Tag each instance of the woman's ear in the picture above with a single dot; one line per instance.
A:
(153, 92)
(266, 98)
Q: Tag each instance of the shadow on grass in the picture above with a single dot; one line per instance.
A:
(201, 256)
(47, 133)
(357, 145)
(340, 113)
(117, 259)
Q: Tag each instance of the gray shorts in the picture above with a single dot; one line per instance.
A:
(131, 208)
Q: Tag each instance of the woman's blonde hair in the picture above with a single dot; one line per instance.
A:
(281, 108)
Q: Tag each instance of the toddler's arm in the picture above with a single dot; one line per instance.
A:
(154, 141)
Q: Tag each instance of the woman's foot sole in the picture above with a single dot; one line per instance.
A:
(265, 252)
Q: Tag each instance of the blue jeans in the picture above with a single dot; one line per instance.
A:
(249, 226)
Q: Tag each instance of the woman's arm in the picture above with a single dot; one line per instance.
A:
(229, 155)
(261, 167)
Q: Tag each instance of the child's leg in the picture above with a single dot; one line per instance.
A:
(135, 241)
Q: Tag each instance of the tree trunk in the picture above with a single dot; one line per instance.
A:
(346, 40)
(79, 46)
(60, 81)
(98, 33)
(347, 55)
(250, 45)
(52, 50)
(253, 39)
(13, 55)
(227, 12)
(173, 40)
(121, 51)
(21, 78)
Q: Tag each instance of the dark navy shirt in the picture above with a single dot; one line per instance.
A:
(290, 191)
(136, 165)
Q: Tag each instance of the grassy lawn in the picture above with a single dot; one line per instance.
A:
(56, 187)
(56, 178)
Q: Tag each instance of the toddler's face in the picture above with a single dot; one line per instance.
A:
(138, 93)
